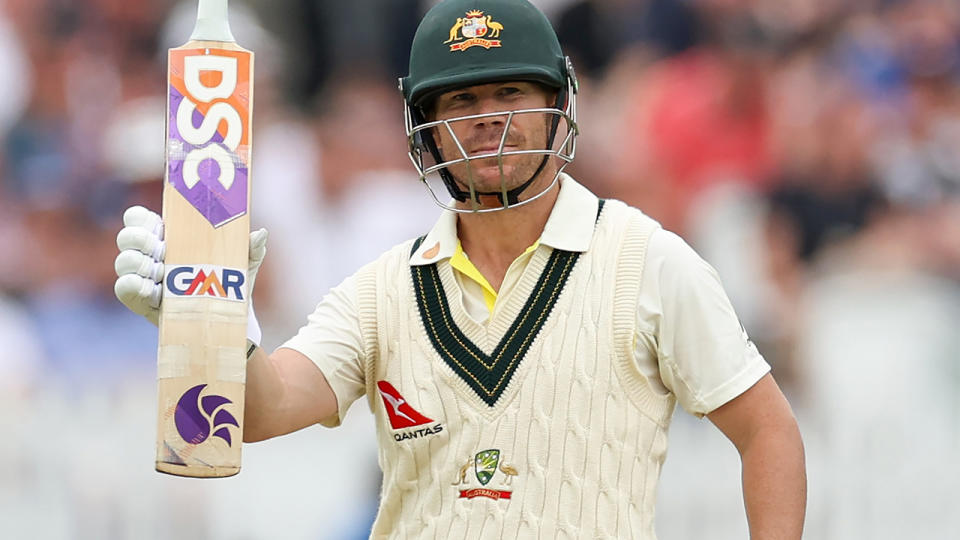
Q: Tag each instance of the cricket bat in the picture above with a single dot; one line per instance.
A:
(206, 196)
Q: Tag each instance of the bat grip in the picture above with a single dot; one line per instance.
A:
(212, 22)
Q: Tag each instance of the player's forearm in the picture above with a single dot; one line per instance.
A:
(775, 483)
(285, 392)
(264, 390)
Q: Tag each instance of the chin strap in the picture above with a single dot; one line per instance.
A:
(513, 195)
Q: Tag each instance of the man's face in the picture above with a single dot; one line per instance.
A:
(483, 135)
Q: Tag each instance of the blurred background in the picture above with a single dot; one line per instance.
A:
(809, 149)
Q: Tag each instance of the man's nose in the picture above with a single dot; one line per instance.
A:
(488, 106)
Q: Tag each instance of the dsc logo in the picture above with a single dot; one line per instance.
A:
(202, 137)
(204, 281)
(208, 130)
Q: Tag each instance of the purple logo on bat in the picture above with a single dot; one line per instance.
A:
(207, 138)
(195, 418)
(212, 177)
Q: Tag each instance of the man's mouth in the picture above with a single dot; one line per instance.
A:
(491, 149)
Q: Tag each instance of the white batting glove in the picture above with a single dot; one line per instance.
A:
(139, 266)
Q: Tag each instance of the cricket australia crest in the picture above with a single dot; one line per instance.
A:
(486, 464)
(473, 30)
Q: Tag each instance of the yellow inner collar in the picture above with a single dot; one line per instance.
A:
(465, 266)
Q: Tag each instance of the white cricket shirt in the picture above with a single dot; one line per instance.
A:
(688, 338)
(549, 415)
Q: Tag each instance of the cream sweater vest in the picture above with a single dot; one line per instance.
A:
(571, 448)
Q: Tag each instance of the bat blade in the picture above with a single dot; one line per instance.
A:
(206, 195)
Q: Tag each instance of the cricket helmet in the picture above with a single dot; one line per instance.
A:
(462, 43)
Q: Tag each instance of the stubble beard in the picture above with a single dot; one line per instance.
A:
(486, 173)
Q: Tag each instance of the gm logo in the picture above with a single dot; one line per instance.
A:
(204, 280)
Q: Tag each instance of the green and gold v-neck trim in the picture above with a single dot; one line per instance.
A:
(488, 375)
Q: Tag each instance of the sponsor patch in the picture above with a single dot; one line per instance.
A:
(204, 280)
(198, 417)
(208, 131)
(403, 417)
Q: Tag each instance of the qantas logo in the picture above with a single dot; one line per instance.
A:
(204, 280)
(403, 416)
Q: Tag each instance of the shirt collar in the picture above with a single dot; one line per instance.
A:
(572, 220)
(569, 227)
(440, 243)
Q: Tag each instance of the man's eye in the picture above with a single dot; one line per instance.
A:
(509, 91)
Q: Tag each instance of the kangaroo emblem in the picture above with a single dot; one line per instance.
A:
(463, 473)
(455, 30)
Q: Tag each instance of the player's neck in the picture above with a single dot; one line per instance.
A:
(493, 240)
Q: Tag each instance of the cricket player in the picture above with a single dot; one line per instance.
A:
(524, 357)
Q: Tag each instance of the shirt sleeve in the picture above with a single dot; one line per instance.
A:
(331, 339)
(689, 328)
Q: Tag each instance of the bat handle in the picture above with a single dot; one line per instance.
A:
(212, 22)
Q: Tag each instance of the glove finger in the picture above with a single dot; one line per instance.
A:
(258, 246)
(131, 261)
(142, 240)
(140, 295)
(138, 216)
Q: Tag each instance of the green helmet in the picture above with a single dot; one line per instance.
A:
(462, 43)
(465, 42)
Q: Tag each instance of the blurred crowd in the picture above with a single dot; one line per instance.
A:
(808, 149)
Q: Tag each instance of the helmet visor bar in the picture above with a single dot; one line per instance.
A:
(436, 170)
(428, 167)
